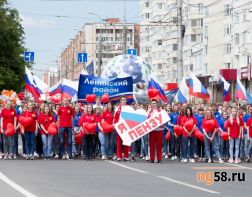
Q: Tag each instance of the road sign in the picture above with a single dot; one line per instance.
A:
(82, 57)
(132, 51)
(29, 56)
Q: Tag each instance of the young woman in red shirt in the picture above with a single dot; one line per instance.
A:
(8, 116)
(235, 132)
(188, 139)
(88, 138)
(248, 137)
(30, 131)
(210, 130)
(119, 145)
(156, 136)
(106, 139)
(45, 119)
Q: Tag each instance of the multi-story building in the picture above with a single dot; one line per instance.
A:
(104, 40)
(51, 76)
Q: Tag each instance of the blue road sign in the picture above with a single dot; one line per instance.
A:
(29, 56)
(132, 51)
(82, 57)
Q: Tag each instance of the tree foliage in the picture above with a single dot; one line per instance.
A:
(12, 66)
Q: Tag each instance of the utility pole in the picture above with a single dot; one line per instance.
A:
(180, 69)
(124, 30)
(99, 52)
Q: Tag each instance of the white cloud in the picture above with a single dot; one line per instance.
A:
(30, 22)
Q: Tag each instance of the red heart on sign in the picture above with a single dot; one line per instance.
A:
(168, 136)
(178, 130)
(107, 128)
(152, 93)
(224, 136)
(10, 130)
(105, 98)
(189, 125)
(210, 124)
(25, 121)
(90, 128)
(52, 129)
(199, 135)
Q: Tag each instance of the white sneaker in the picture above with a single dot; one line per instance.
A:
(166, 156)
(15, 157)
(192, 161)
(119, 159)
(5, 157)
(104, 157)
(231, 161)
(56, 157)
(115, 157)
(1, 156)
(126, 159)
(236, 161)
(221, 161)
(147, 158)
(173, 158)
(209, 161)
(64, 156)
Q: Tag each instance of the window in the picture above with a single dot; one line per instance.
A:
(193, 38)
(205, 49)
(206, 32)
(228, 48)
(159, 42)
(244, 37)
(160, 66)
(237, 38)
(236, 17)
(205, 11)
(146, 4)
(174, 60)
(193, 22)
(227, 9)
(227, 29)
(147, 15)
(200, 8)
(160, 6)
(174, 47)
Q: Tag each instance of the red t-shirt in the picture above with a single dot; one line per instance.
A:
(107, 116)
(45, 120)
(98, 118)
(249, 124)
(186, 119)
(89, 118)
(234, 128)
(65, 114)
(8, 116)
(216, 125)
(32, 126)
(179, 121)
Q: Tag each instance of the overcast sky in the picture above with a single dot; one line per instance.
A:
(50, 24)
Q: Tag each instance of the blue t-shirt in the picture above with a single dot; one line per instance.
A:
(221, 122)
(245, 119)
(199, 119)
(217, 115)
(76, 119)
(174, 117)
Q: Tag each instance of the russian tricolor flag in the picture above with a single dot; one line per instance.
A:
(226, 86)
(197, 89)
(153, 84)
(34, 85)
(69, 88)
(240, 91)
(182, 95)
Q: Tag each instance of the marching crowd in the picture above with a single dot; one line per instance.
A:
(195, 133)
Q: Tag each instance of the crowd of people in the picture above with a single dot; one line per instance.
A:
(74, 141)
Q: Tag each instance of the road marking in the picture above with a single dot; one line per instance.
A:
(165, 178)
(216, 168)
(127, 167)
(16, 186)
(188, 185)
(240, 166)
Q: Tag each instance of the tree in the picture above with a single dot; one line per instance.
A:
(12, 65)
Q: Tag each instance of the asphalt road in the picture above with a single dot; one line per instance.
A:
(102, 178)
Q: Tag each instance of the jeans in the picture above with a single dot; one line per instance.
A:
(8, 144)
(200, 148)
(145, 145)
(248, 146)
(234, 142)
(23, 143)
(242, 148)
(29, 142)
(47, 144)
(68, 132)
(104, 140)
(74, 145)
(88, 145)
(215, 145)
(55, 144)
(15, 148)
(172, 142)
(224, 148)
(188, 147)
(164, 142)
(1, 143)
(112, 143)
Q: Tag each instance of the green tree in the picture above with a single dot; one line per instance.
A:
(12, 65)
